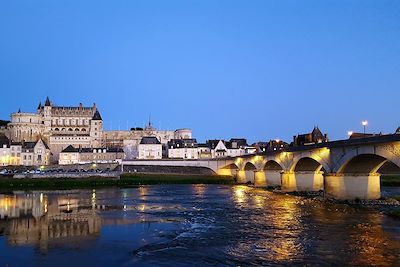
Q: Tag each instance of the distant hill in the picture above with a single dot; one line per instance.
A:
(3, 123)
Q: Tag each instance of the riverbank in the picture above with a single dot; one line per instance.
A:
(126, 180)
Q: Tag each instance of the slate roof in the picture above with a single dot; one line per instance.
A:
(4, 140)
(213, 143)
(71, 149)
(47, 103)
(97, 116)
(149, 140)
(182, 143)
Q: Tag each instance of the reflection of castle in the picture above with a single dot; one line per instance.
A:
(34, 219)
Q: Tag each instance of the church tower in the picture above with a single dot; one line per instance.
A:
(96, 129)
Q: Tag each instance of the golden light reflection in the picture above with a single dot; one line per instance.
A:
(7, 203)
(199, 189)
(143, 191)
(94, 199)
(370, 244)
(259, 201)
(286, 221)
(142, 207)
(240, 194)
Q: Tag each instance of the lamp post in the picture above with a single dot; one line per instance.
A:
(364, 124)
(350, 133)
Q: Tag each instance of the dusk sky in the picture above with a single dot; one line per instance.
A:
(255, 69)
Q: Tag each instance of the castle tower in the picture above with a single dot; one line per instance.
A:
(96, 129)
(47, 117)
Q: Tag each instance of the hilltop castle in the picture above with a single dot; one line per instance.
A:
(58, 126)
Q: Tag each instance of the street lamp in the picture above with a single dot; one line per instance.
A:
(350, 133)
(364, 124)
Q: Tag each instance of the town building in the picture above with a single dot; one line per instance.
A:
(24, 153)
(271, 145)
(315, 137)
(150, 148)
(204, 151)
(72, 155)
(130, 140)
(183, 149)
(233, 148)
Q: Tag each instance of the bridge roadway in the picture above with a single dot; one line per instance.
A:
(345, 169)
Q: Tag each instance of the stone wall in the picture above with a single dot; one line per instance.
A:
(168, 170)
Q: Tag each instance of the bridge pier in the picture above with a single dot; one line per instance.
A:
(288, 179)
(260, 179)
(241, 176)
(302, 181)
(227, 172)
(352, 186)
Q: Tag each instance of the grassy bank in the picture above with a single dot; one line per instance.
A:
(390, 180)
(127, 180)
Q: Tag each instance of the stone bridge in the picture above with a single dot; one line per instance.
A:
(346, 169)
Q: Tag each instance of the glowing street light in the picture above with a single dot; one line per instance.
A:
(364, 124)
(350, 133)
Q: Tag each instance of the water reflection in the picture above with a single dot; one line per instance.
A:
(191, 225)
(239, 194)
(36, 219)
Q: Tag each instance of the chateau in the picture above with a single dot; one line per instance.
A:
(58, 126)
(82, 128)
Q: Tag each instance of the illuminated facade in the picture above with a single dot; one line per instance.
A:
(71, 155)
(24, 153)
(59, 126)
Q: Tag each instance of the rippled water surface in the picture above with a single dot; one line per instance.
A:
(187, 225)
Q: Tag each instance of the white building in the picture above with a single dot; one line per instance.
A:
(150, 148)
(72, 155)
(183, 149)
(235, 147)
(5, 151)
(24, 153)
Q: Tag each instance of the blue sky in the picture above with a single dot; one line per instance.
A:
(255, 69)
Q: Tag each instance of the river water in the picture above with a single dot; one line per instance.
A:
(190, 225)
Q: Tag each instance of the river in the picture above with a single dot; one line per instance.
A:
(190, 225)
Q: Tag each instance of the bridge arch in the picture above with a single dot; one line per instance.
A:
(388, 154)
(272, 165)
(249, 166)
(308, 164)
(247, 174)
(230, 170)
(364, 163)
